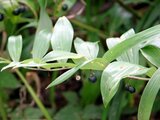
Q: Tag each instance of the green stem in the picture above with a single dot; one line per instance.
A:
(129, 9)
(2, 109)
(36, 99)
(89, 28)
(104, 113)
(52, 90)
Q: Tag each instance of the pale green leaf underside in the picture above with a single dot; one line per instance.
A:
(113, 74)
(148, 96)
(15, 47)
(136, 39)
(88, 49)
(67, 74)
(60, 55)
(41, 44)
(152, 54)
(132, 55)
(62, 35)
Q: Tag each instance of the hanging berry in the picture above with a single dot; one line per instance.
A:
(130, 88)
(92, 78)
(16, 11)
(1, 17)
(64, 7)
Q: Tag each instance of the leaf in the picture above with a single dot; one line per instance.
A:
(59, 55)
(12, 64)
(148, 96)
(136, 39)
(67, 74)
(92, 112)
(42, 3)
(96, 64)
(113, 74)
(41, 44)
(15, 47)
(62, 35)
(152, 54)
(69, 112)
(29, 63)
(132, 55)
(8, 80)
(88, 49)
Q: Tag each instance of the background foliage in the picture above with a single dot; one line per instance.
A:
(24, 26)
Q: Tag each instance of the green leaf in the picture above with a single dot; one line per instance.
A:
(69, 112)
(29, 63)
(12, 64)
(96, 64)
(113, 74)
(8, 80)
(132, 55)
(67, 74)
(31, 4)
(15, 47)
(44, 20)
(136, 39)
(42, 3)
(62, 35)
(88, 49)
(148, 96)
(152, 54)
(59, 55)
(41, 44)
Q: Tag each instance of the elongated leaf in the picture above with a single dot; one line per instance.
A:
(12, 64)
(29, 63)
(113, 74)
(136, 39)
(8, 80)
(59, 55)
(148, 96)
(15, 47)
(88, 49)
(67, 74)
(96, 64)
(132, 55)
(41, 44)
(62, 36)
(152, 54)
(44, 21)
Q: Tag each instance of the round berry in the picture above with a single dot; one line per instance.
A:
(130, 89)
(92, 78)
(64, 7)
(22, 9)
(1, 16)
(16, 11)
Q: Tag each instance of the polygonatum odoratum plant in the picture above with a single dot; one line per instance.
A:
(119, 62)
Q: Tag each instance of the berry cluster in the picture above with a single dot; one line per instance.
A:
(16, 11)
(19, 10)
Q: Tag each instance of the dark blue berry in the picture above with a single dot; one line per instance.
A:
(22, 9)
(92, 78)
(16, 11)
(1, 16)
(64, 7)
(130, 89)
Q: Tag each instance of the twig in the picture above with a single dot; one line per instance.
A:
(89, 28)
(33, 94)
(138, 78)
(137, 15)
